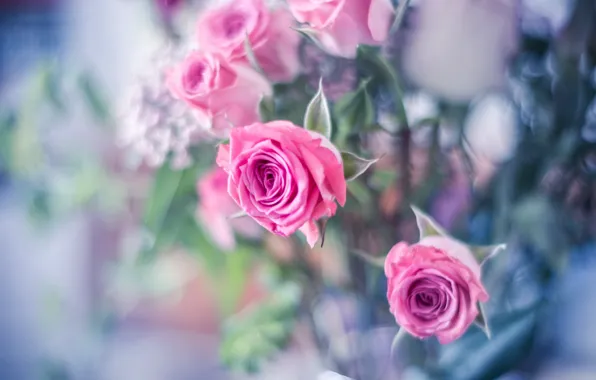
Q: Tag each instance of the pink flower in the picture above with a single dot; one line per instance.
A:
(344, 24)
(283, 176)
(433, 287)
(226, 95)
(225, 28)
(215, 208)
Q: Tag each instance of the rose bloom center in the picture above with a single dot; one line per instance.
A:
(234, 24)
(194, 76)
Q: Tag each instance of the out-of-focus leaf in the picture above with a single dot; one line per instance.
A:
(475, 357)
(541, 223)
(382, 178)
(318, 116)
(375, 261)
(26, 149)
(40, 209)
(172, 194)
(94, 98)
(259, 332)
(291, 99)
(407, 350)
(354, 111)
(355, 166)
(235, 275)
(383, 75)
(52, 91)
(7, 125)
(266, 109)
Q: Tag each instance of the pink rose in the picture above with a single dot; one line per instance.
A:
(227, 95)
(283, 176)
(344, 24)
(433, 287)
(215, 208)
(225, 28)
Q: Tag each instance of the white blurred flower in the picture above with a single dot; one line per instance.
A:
(420, 106)
(459, 49)
(154, 123)
(491, 128)
(491, 131)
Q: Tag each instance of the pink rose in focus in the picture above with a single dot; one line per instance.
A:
(225, 28)
(226, 95)
(433, 287)
(344, 24)
(283, 176)
(215, 208)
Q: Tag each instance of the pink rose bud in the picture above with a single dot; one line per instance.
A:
(226, 95)
(341, 25)
(225, 28)
(215, 208)
(283, 176)
(433, 287)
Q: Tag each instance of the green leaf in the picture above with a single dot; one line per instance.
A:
(234, 279)
(407, 350)
(318, 117)
(427, 225)
(266, 109)
(383, 178)
(355, 166)
(94, 98)
(259, 332)
(475, 357)
(52, 89)
(354, 111)
(291, 99)
(383, 75)
(7, 126)
(370, 259)
(541, 223)
(171, 196)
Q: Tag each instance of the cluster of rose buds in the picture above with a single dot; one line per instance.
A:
(287, 177)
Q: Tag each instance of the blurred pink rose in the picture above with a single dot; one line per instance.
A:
(226, 95)
(225, 28)
(283, 176)
(215, 208)
(344, 24)
(433, 287)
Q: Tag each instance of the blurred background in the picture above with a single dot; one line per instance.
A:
(74, 302)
